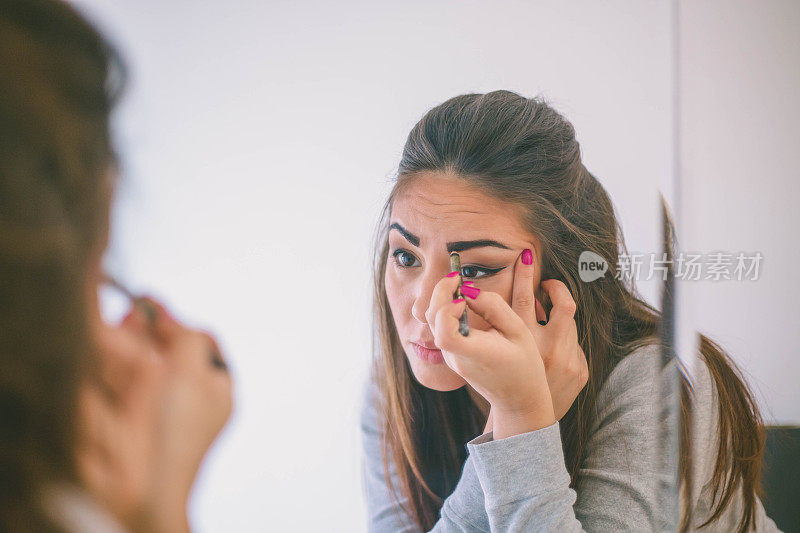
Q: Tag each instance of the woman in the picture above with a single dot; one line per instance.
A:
(561, 375)
(102, 426)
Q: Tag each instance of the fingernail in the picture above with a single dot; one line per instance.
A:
(457, 300)
(469, 291)
(469, 283)
(453, 274)
(527, 257)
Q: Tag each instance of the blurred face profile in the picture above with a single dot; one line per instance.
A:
(434, 214)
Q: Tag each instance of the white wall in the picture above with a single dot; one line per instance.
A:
(740, 127)
(258, 139)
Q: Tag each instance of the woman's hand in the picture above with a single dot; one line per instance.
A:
(502, 364)
(489, 425)
(565, 363)
(167, 396)
(195, 406)
(506, 364)
(117, 420)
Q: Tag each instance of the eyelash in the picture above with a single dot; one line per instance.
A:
(489, 271)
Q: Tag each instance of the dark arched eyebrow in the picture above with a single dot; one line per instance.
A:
(457, 246)
(460, 246)
(410, 237)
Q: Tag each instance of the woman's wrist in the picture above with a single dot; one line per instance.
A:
(165, 513)
(165, 510)
(510, 422)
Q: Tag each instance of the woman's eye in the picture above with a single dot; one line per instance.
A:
(475, 272)
(405, 259)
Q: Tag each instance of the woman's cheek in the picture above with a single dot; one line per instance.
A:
(502, 285)
(393, 293)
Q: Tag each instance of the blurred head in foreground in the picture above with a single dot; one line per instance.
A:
(59, 83)
(84, 405)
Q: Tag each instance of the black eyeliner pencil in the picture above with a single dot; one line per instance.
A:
(455, 266)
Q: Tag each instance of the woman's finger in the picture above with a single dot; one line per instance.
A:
(446, 322)
(136, 319)
(449, 339)
(468, 356)
(123, 352)
(563, 312)
(523, 301)
(495, 310)
(441, 296)
(160, 321)
(216, 359)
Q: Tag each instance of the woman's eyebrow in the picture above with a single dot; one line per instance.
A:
(410, 237)
(457, 246)
(460, 246)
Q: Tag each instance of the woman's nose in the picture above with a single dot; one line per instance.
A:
(418, 310)
(423, 296)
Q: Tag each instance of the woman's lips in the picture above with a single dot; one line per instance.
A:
(429, 355)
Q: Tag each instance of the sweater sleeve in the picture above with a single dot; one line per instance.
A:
(621, 476)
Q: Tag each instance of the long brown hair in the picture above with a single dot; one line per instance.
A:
(58, 83)
(522, 151)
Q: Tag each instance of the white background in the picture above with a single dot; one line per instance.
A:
(740, 128)
(259, 140)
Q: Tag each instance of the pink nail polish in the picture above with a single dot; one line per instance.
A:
(457, 300)
(469, 283)
(527, 257)
(470, 292)
(453, 274)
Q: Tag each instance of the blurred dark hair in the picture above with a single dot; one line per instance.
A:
(59, 80)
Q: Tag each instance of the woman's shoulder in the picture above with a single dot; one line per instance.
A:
(640, 371)
(640, 381)
(634, 391)
(637, 399)
(634, 381)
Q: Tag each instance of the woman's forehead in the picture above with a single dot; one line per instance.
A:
(444, 207)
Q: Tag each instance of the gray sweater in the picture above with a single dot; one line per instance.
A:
(521, 483)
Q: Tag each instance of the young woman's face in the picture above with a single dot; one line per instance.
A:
(437, 214)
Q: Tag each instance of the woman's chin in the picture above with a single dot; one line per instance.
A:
(438, 377)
